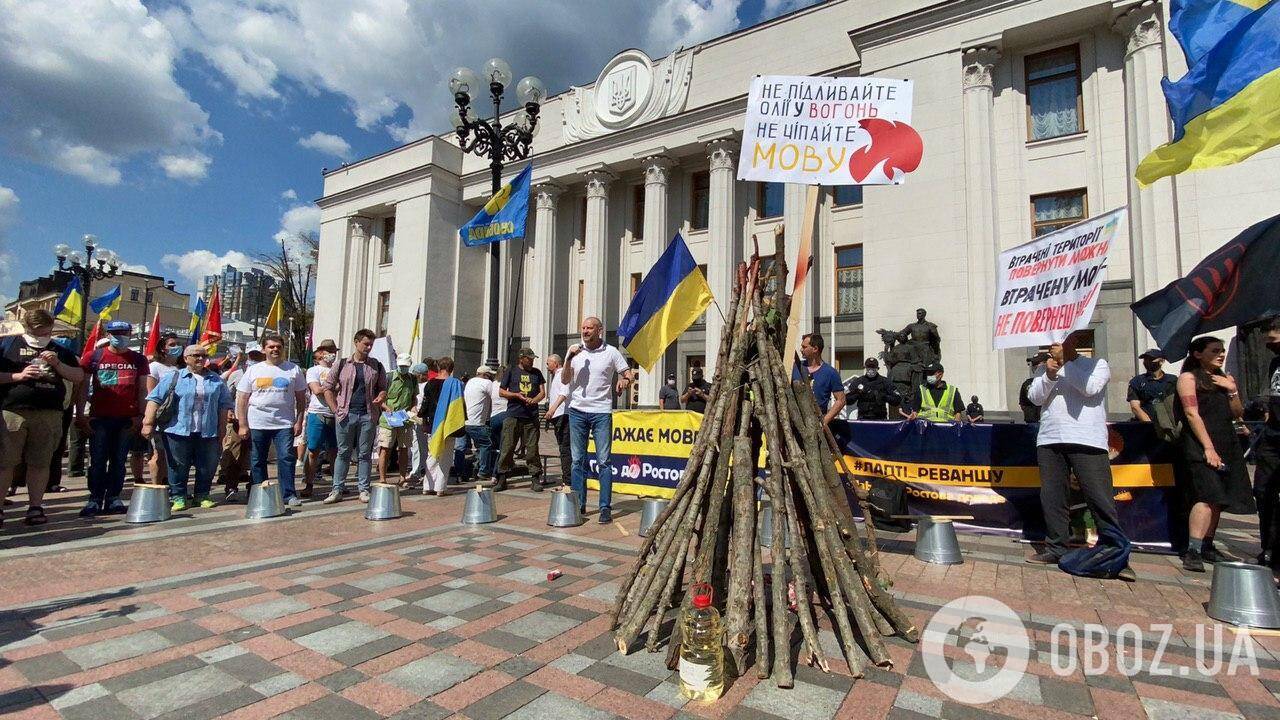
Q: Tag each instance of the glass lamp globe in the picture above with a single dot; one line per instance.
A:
(531, 90)
(75, 257)
(498, 71)
(61, 250)
(464, 81)
(90, 241)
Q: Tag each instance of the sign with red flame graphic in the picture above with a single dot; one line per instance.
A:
(829, 131)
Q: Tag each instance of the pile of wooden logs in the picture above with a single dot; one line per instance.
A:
(708, 532)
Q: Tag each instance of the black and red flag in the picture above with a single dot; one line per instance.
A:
(1236, 284)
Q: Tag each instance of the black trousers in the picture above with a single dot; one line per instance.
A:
(561, 427)
(1266, 488)
(1092, 469)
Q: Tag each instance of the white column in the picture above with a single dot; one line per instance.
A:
(540, 269)
(595, 290)
(1153, 232)
(657, 172)
(986, 378)
(723, 247)
(358, 255)
(794, 196)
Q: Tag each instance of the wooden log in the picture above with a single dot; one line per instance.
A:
(798, 560)
(738, 598)
(759, 610)
(780, 623)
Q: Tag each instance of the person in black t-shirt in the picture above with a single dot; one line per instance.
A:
(1266, 454)
(974, 410)
(696, 392)
(524, 386)
(1150, 387)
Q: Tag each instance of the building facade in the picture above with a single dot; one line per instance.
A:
(140, 294)
(1033, 116)
(246, 294)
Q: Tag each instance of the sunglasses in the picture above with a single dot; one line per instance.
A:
(197, 356)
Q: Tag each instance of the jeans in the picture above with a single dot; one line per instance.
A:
(183, 452)
(286, 456)
(600, 427)
(495, 442)
(109, 440)
(355, 435)
(560, 425)
(526, 429)
(1092, 469)
(483, 442)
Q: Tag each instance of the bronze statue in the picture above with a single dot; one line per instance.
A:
(908, 352)
(924, 335)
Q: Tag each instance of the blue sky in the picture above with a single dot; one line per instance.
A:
(187, 133)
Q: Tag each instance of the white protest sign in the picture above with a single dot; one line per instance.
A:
(829, 131)
(1049, 286)
(385, 352)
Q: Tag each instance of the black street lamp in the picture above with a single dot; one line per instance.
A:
(82, 266)
(500, 144)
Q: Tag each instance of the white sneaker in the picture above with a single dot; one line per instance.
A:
(294, 501)
(333, 497)
(364, 496)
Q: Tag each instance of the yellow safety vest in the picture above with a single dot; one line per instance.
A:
(940, 412)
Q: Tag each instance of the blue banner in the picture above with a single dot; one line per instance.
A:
(503, 217)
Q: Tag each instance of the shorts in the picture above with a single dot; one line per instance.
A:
(389, 437)
(321, 435)
(33, 436)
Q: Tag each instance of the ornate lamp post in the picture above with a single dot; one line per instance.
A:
(500, 144)
(82, 266)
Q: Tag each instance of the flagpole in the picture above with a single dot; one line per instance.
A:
(511, 331)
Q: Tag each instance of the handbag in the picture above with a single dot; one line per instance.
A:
(168, 407)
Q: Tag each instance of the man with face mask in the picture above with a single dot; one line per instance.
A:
(1267, 456)
(118, 397)
(1150, 387)
(32, 394)
(935, 401)
(872, 393)
(322, 439)
(668, 396)
(696, 394)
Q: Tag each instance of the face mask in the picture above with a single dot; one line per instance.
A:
(934, 379)
(326, 360)
(671, 383)
(872, 373)
(174, 352)
(37, 341)
(118, 342)
(1274, 347)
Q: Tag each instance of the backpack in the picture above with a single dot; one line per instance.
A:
(1163, 416)
(1104, 560)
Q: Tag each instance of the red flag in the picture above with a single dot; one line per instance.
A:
(90, 341)
(213, 320)
(153, 337)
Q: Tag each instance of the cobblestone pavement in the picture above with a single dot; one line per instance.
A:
(322, 614)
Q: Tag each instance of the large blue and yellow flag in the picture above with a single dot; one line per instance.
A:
(1227, 106)
(669, 300)
(70, 307)
(106, 304)
(1198, 25)
(503, 217)
(450, 417)
(196, 327)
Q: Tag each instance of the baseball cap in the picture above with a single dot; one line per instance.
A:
(253, 347)
(404, 360)
(527, 351)
(933, 368)
(1154, 354)
(119, 326)
(484, 370)
(871, 362)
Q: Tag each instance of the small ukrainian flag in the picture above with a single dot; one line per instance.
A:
(670, 299)
(70, 307)
(450, 417)
(106, 304)
(503, 217)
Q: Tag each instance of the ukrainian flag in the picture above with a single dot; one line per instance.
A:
(70, 307)
(197, 321)
(106, 304)
(1227, 107)
(503, 217)
(670, 299)
(451, 415)
(1198, 25)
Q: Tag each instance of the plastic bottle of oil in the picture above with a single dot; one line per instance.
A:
(701, 652)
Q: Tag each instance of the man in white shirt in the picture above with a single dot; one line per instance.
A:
(271, 400)
(594, 371)
(557, 415)
(321, 433)
(477, 395)
(1072, 439)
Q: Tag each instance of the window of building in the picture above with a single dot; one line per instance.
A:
(388, 239)
(842, 195)
(133, 294)
(637, 217)
(636, 278)
(770, 199)
(151, 297)
(1057, 210)
(849, 362)
(700, 200)
(384, 310)
(1054, 102)
(849, 280)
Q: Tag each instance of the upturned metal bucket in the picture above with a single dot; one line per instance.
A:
(479, 508)
(148, 503)
(563, 511)
(384, 502)
(765, 531)
(265, 501)
(649, 513)
(1244, 594)
(936, 542)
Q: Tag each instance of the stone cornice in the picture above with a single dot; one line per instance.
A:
(942, 14)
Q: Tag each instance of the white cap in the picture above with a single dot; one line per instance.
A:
(484, 370)
(404, 360)
(252, 347)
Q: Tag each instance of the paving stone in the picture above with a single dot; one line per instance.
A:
(599, 647)
(233, 595)
(464, 560)
(245, 633)
(75, 696)
(570, 611)
(278, 684)
(518, 666)
(340, 638)
(1167, 710)
(432, 674)
(614, 676)
(249, 668)
(513, 598)
(448, 603)
(551, 705)
(295, 589)
(184, 632)
(222, 590)
(147, 614)
(370, 650)
(388, 604)
(583, 557)
(819, 702)
(503, 702)
(83, 626)
(19, 641)
(572, 663)
(528, 575)
(378, 583)
(447, 623)
(105, 708)
(180, 691)
(197, 613)
(155, 673)
(1066, 696)
(456, 583)
(556, 596)
(540, 626)
(743, 712)
(313, 626)
(331, 707)
(224, 652)
(333, 569)
(915, 702)
(667, 693)
(346, 591)
(420, 594)
(416, 613)
(216, 706)
(506, 641)
(343, 679)
(50, 666)
(483, 610)
(425, 710)
(20, 699)
(120, 648)
(604, 592)
(270, 610)
(646, 663)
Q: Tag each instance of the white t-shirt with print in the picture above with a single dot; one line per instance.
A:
(594, 376)
(318, 374)
(272, 390)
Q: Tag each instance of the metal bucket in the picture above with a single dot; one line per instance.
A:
(1244, 594)
(265, 501)
(384, 502)
(649, 513)
(564, 511)
(765, 531)
(148, 503)
(936, 542)
(479, 508)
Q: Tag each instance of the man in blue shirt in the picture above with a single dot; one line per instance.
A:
(828, 389)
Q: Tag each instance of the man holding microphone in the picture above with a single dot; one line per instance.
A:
(593, 372)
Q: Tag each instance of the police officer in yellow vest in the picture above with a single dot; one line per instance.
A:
(935, 401)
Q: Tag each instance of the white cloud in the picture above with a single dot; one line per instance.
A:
(195, 264)
(191, 168)
(136, 268)
(298, 220)
(88, 89)
(289, 194)
(8, 218)
(323, 142)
